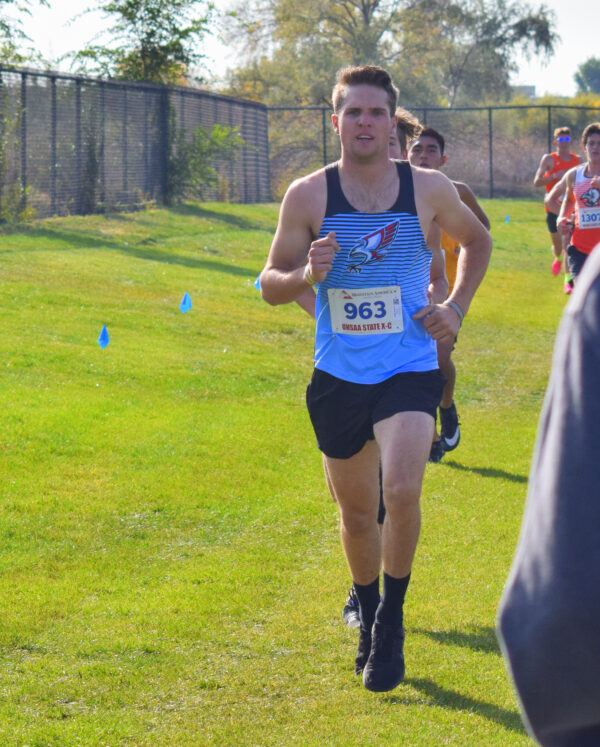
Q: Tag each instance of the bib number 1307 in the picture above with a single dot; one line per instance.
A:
(365, 311)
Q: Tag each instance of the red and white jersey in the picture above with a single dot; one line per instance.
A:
(587, 212)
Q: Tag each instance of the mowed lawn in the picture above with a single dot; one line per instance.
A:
(171, 568)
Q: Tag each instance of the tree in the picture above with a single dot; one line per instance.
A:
(157, 41)
(438, 51)
(587, 76)
(472, 44)
(11, 33)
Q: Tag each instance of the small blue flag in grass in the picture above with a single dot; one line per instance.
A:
(103, 340)
(507, 219)
(257, 283)
(186, 303)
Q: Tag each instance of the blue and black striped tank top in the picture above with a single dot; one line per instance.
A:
(377, 250)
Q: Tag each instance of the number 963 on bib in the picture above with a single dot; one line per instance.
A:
(365, 311)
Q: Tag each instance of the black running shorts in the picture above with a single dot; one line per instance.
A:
(575, 260)
(343, 413)
(551, 222)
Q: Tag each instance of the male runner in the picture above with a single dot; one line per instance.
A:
(552, 167)
(427, 151)
(407, 128)
(356, 229)
(582, 194)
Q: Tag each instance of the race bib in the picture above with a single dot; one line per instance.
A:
(589, 217)
(365, 311)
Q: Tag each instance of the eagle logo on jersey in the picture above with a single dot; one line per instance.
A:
(373, 247)
(591, 198)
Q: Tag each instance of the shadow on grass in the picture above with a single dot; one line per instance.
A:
(483, 639)
(79, 240)
(197, 211)
(442, 698)
(486, 471)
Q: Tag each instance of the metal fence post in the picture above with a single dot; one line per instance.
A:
(164, 143)
(324, 126)
(256, 154)
(491, 151)
(53, 146)
(244, 156)
(102, 137)
(269, 195)
(78, 196)
(23, 139)
(124, 150)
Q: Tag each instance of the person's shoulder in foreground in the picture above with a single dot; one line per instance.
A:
(549, 616)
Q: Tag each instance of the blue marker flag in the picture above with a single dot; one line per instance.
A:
(103, 339)
(507, 218)
(257, 283)
(186, 303)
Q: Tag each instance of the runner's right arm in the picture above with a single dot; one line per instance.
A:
(553, 199)
(546, 163)
(287, 273)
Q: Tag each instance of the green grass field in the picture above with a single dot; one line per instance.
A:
(171, 568)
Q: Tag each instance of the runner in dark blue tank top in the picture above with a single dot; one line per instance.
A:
(375, 385)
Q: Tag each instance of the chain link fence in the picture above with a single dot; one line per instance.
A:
(495, 149)
(77, 145)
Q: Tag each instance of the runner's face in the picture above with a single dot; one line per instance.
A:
(425, 153)
(592, 148)
(563, 148)
(364, 123)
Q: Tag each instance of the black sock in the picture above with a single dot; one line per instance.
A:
(368, 600)
(392, 599)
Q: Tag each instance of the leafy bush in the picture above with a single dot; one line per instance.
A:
(191, 169)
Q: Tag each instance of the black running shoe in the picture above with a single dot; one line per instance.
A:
(351, 611)
(437, 451)
(364, 649)
(384, 669)
(450, 427)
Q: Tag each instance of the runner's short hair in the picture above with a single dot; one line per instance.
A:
(408, 127)
(437, 136)
(591, 129)
(370, 75)
(561, 131)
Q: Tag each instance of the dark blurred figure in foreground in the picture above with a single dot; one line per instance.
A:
(549, 615)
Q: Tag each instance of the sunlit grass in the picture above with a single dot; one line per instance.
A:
(171, 569)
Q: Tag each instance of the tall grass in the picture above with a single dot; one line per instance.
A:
(171, 569)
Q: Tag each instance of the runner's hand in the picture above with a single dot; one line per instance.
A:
(564, 226)
(440, 321)
(320, 256)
